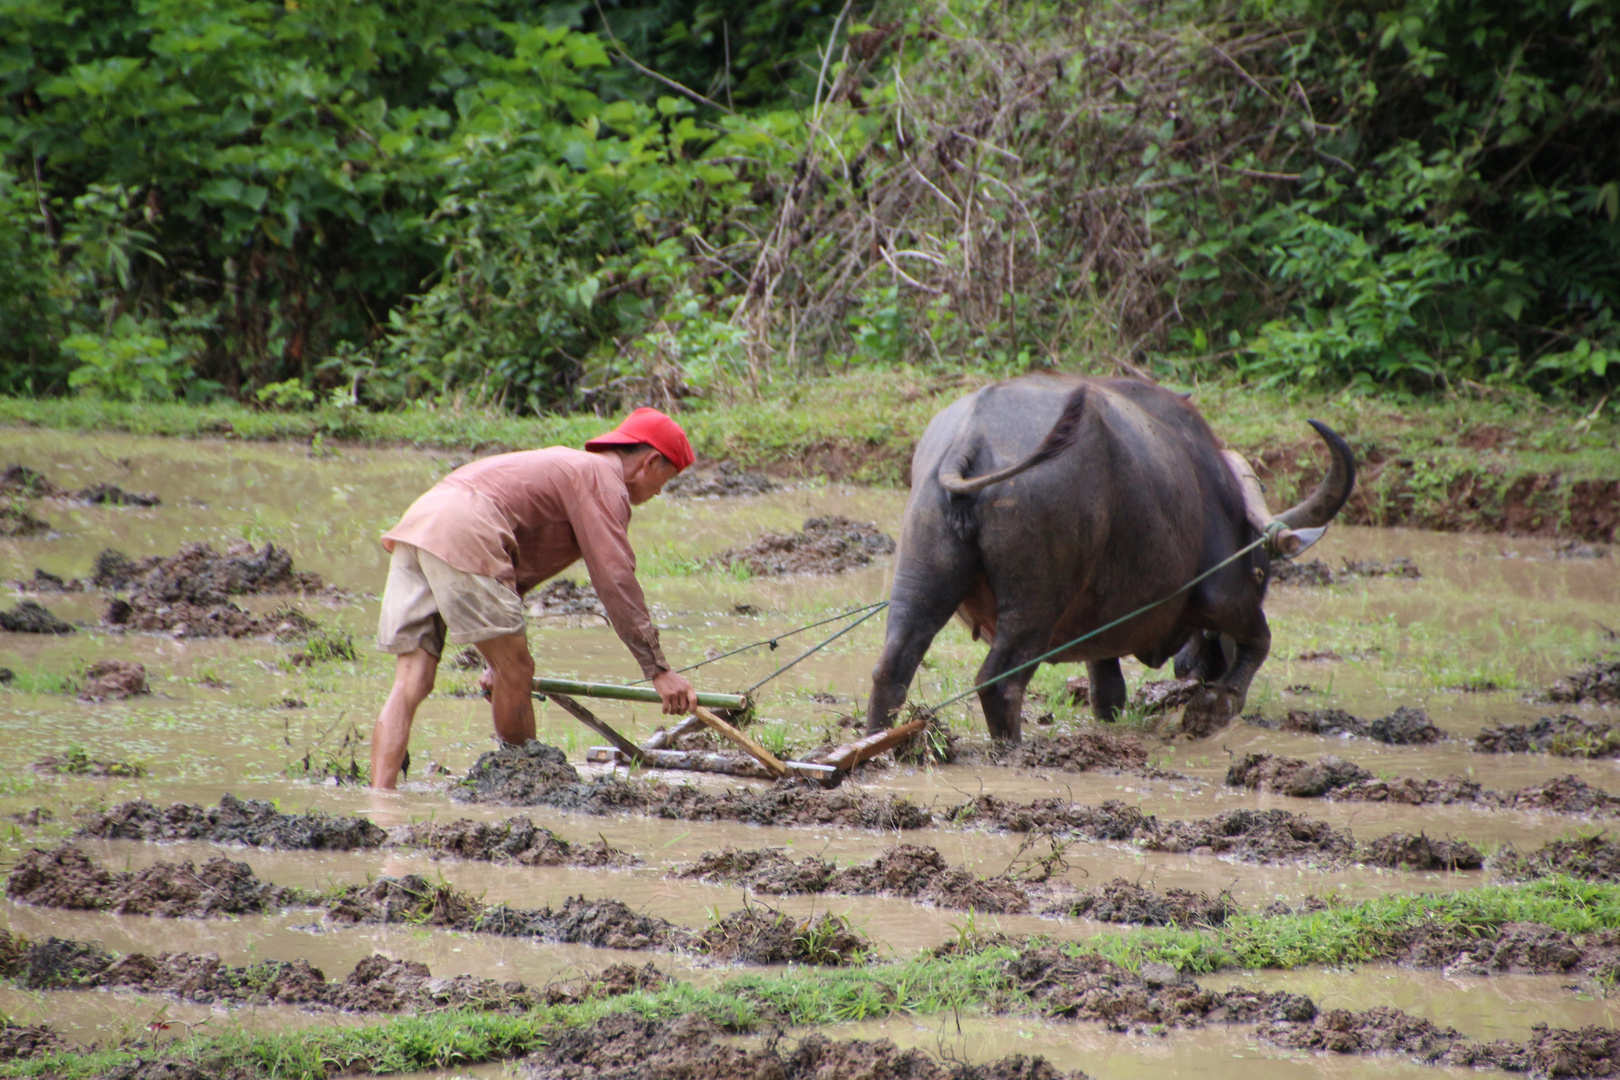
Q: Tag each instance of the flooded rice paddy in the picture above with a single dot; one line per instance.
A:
(1489, 623)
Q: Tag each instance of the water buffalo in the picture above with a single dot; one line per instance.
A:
(1044, 507)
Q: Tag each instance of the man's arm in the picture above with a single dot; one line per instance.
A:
(601, 530)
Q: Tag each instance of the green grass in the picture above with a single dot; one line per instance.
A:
(972, 980)
(37, 680)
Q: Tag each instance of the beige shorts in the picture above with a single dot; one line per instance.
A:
(425, 596)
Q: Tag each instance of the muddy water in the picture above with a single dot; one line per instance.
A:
(232, 715)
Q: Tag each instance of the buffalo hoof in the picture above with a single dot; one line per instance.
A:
(1211, 709)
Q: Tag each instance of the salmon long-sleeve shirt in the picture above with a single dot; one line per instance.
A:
(524, 517)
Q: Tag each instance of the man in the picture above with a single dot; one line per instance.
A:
(466, 552)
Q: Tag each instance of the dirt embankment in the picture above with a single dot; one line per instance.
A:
(1088, 987)
(725, 478)
(828, 545)
(1403, 727)
(75, 761)
(32, 617)
(1598, 683)
(252, 822)
(1395, 486)
(19, 481)
(1318, 573)
(66, 878)
(1332, 777)
(1122, 901)
(1564, 736)
(188, 594)
(905, 870)
(377, 983)
(1593, 858)
(1245, 835)
(629, 1047)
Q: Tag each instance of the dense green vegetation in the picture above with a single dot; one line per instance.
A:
(386, 202)
(971, 977)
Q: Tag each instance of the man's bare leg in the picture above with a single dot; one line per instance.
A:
(391, 735)
(512, 693)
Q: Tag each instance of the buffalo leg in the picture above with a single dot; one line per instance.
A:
(1218, 702)
(915, 616)
(1204, 657)
(1107, 689)
(1003, 702)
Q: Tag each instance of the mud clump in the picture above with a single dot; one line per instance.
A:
(412, 899)
(1318, 573)
(906, 870)
(616, 980)
(1378, 1030)
(1592, 858)
(1598, 683)
(1342, 781)
(1524, 948)
(1158, 697)
(1122, 901)
(1404, 727)
(113, 495)
(766, 870)
(1402, 851)
(113, 680)
(625, 1046)
(252, 822)
(1294, 776)
(1565, 736)
(923, 874)
(539, 775)
(765, 936)
(19, 481)
(564, 596)
(16, 522)
(22, 1041)
(66, 878)
(188, 594)
(32, 617)
(515, 840)
(1259, 836)
(75, 761)
(1080, 752)
(516, 776)
(829, 545)
(727, 478)
(377, 983)
(1088, 987)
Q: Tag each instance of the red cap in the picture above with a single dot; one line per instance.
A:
(653, 428)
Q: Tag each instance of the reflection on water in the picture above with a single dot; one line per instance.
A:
(231, 716)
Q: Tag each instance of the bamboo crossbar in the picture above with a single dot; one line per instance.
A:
(616, 692)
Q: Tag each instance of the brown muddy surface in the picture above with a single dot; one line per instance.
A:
(1151, 831)
(32, 617)
(828, 545)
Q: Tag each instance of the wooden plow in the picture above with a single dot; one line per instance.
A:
(659, 751)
